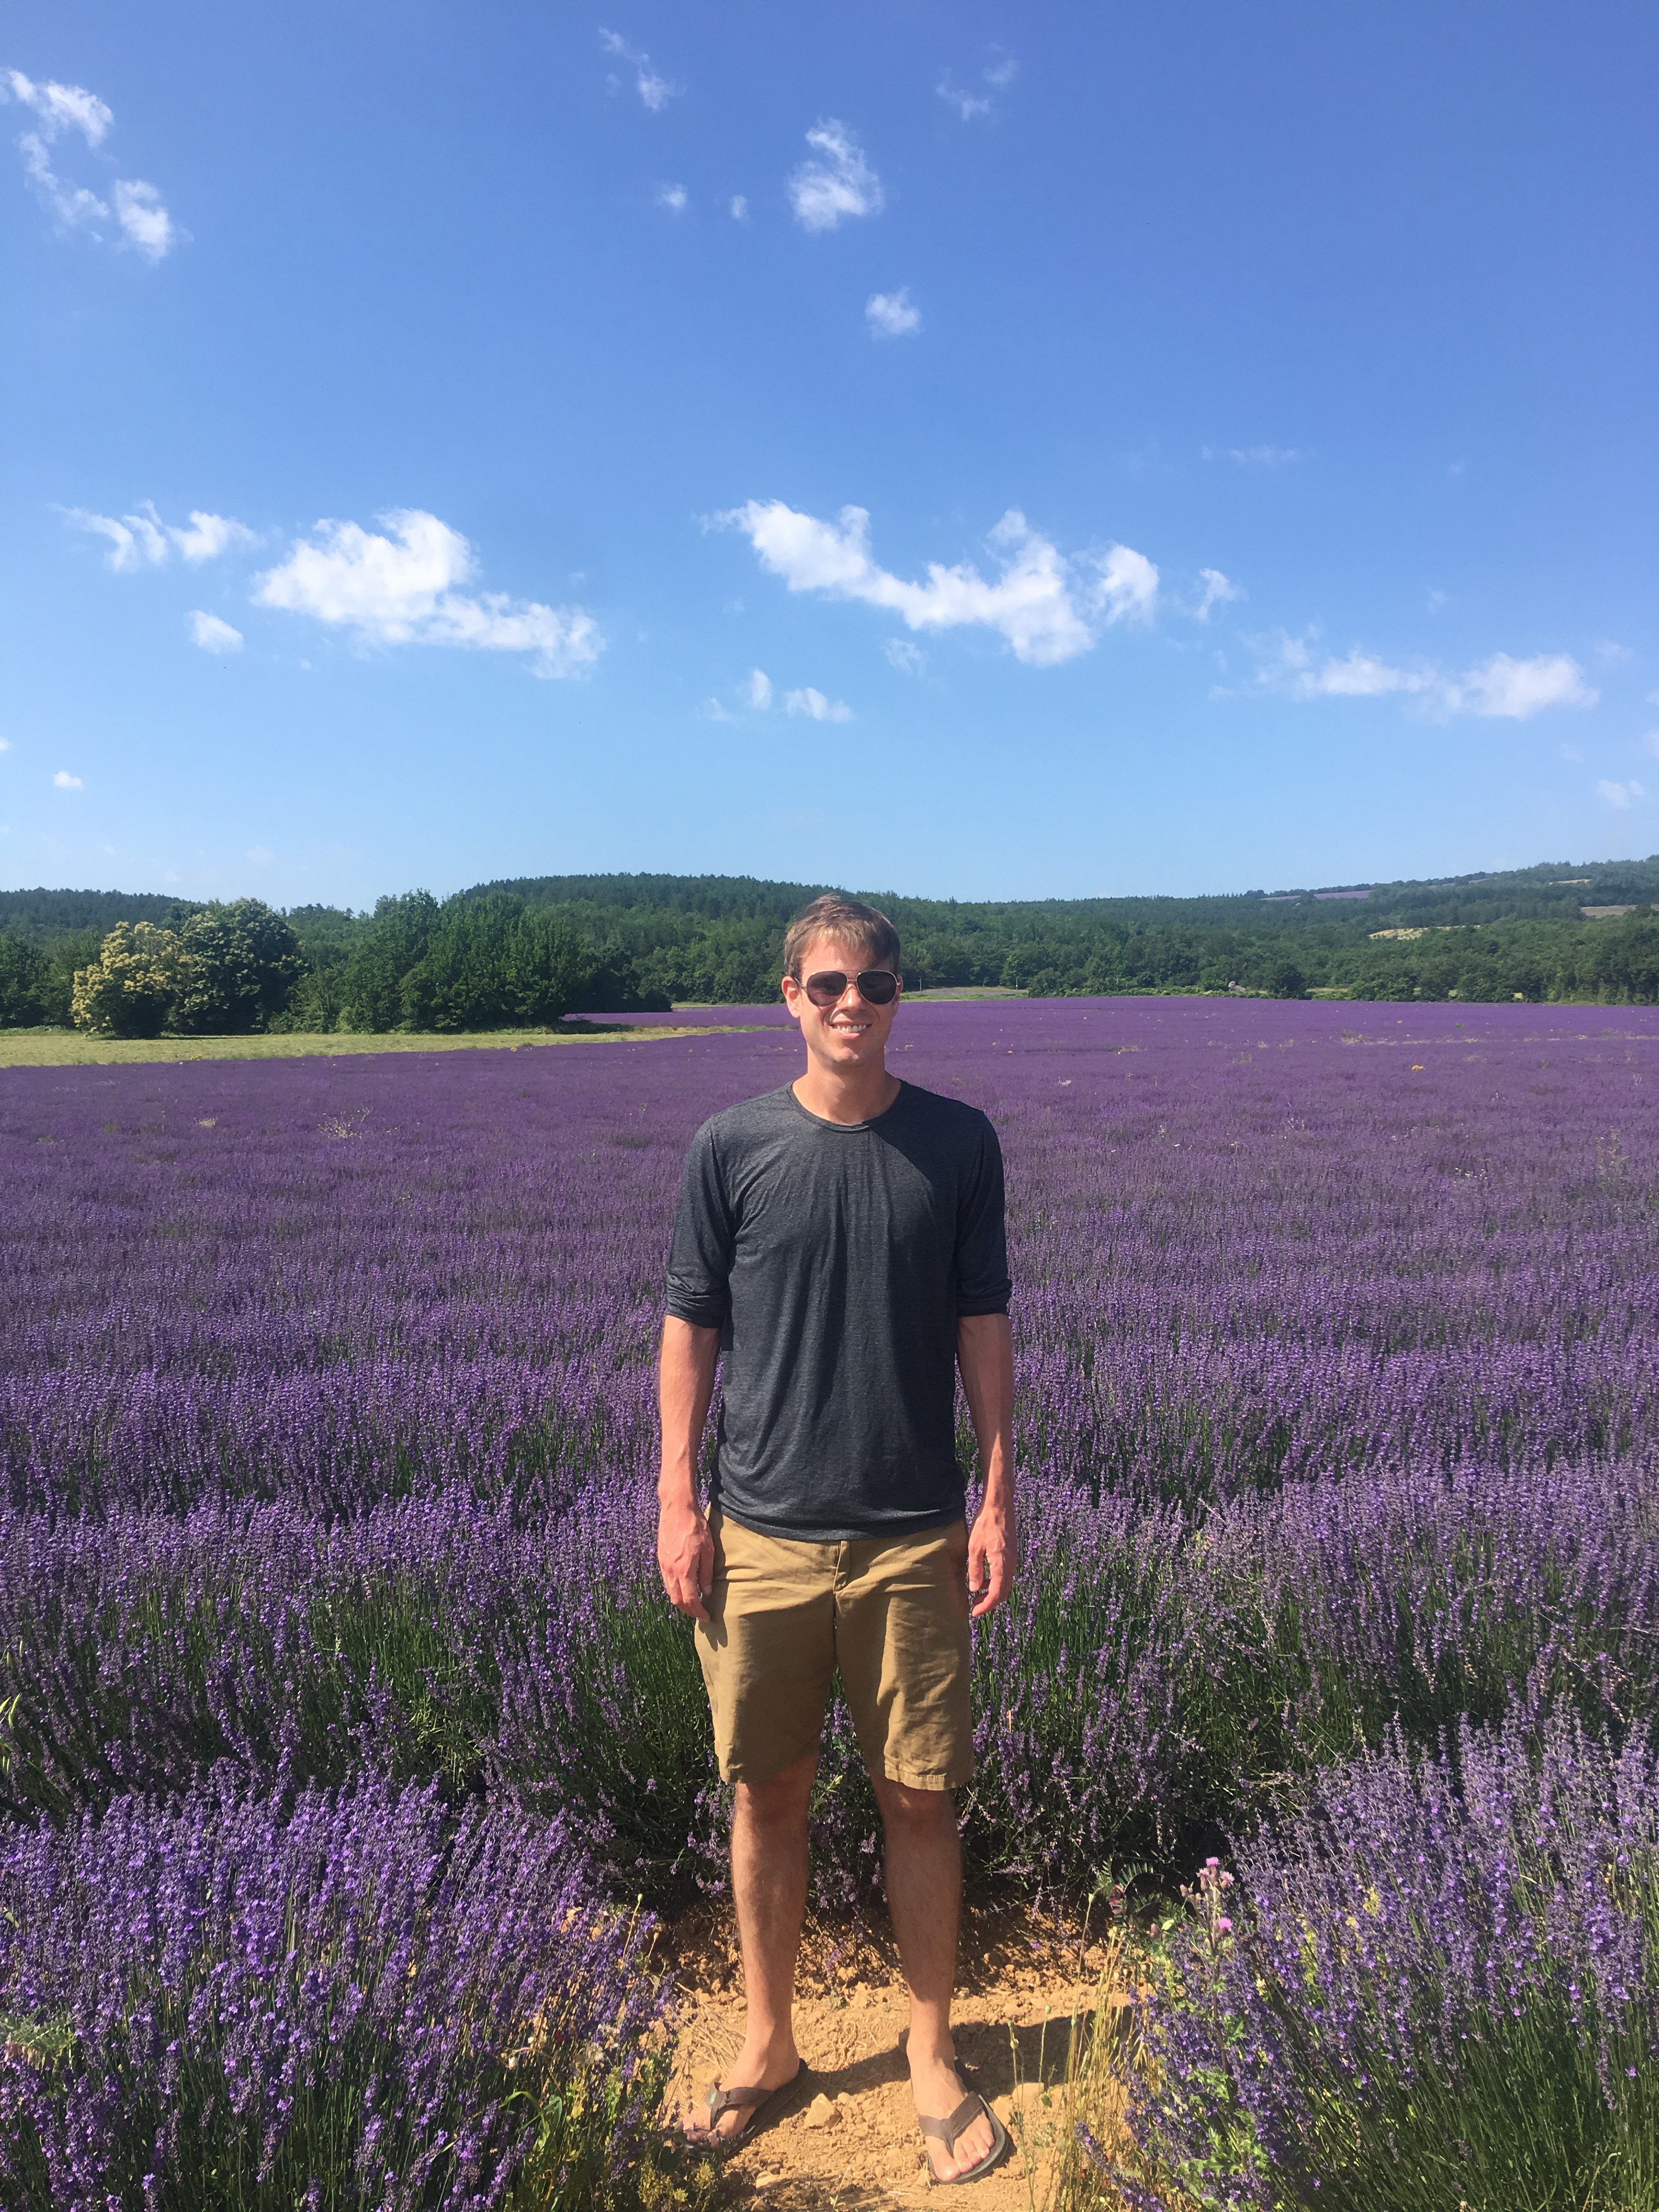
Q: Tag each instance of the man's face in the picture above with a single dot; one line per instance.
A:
(852, 1033)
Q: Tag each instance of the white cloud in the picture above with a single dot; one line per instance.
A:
(74, 207)
(400, 589)
(1517, 689)
(207, 536)
(1650, 742)
(59, 106)
(1217, 589)
(64, 781)
(840, 183)
(141, 219)
(673, 198)
(147, 225)
(654, 90)
(909, 660)
(712, 711)
(1620, 796)
(760, 689)
(212, 634)
(1048, 608)
(813, 703)
(5, 744)
(739, 208)
(1128, 589)
(1265, 457)
(143, 540)
(261, 855)
(999, 73)
(1501, 688)
(135, 542)
(892, 314)
(1438, 599)
(969, 106)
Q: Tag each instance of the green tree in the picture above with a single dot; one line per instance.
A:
(243, 962)
(395, 941)
(129, 989)
(489, 964)
(26, 995)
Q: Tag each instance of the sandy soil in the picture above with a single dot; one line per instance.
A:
(846, 2136)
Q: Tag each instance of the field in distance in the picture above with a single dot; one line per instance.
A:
(51, 1047)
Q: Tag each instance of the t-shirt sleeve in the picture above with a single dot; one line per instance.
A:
(705, 1234)
(982, 1284)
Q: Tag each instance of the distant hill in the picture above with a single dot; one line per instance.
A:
(1559, 930)
(1555, 888)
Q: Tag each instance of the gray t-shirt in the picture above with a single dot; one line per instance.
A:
(836, 1259)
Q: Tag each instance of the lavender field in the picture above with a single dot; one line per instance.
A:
(342, 1725)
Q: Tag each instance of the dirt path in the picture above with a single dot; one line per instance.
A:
(846, 2135)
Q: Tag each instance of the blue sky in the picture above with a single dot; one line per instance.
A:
(951, 448)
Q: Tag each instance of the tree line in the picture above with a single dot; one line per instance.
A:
(527, 953)
(227, 969)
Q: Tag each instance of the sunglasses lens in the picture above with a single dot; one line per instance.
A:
(877, 988)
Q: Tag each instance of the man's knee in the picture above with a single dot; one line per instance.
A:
(920, 1812)
(781, 1800)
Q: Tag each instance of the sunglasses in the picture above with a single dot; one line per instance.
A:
(877, 986)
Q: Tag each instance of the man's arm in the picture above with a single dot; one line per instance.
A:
(985, 1353)
(686, 1384)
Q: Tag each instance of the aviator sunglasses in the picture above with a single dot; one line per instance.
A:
(878, 986)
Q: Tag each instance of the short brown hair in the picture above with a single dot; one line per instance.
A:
(862, 927)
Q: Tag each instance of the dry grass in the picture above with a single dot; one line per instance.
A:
(71, 1049)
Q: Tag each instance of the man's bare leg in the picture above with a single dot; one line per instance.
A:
(924, 1893)
(769, 1886)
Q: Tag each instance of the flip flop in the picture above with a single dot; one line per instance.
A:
(948, 2132)
(751, 2101)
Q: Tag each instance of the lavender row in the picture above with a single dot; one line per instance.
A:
(352, 2001)
(1251, 1242)
(1182, 1420)
(1156, 1672)
(1439, 1985)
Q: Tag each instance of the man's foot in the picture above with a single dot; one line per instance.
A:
(938, 2089)
(754, 2067)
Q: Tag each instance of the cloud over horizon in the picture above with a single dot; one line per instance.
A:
(400, 588)
(1502, 687)
(1048, 608)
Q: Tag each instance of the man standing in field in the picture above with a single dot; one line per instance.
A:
(841, 1242)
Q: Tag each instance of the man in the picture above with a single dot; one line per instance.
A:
(841, 1241)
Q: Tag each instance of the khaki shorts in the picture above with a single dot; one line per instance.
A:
(891, 1613)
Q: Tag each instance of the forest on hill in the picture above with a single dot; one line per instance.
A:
(532, 949)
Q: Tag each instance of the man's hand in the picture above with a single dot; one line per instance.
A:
(686, 1384)
(992, 1556)
(685, 1556)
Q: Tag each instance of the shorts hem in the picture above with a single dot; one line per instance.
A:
(913, 1778)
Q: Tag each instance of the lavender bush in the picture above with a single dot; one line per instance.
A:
(353, 2004)
(1150, 1676)
(1439, 1986)
(325, 1460)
